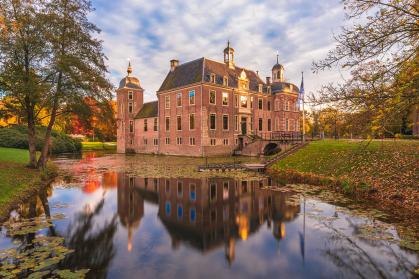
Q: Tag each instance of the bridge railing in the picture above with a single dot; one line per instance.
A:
(280, 136)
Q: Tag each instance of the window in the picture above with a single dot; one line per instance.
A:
(225, 122)
(179, 141)
(226, 187)
(179, 123)
(179, 99)
(225, 141)
(212, 121)
(260, 103)
(145, 125)
(192, 214)
(260, 88)
(130, 95)
(131, 126)
(145, 141)
(269, 125)
(212, 78)
(130, 107)
(192, 97)
(212, 97)
(225, 81)
(180, 212)
(243, 101)
(213, 142)
(192, 192)
(260, 124)
(156, 141)
(167, 140)
(179, 189)
(276, 124)
(131, 141)
(167, 102)
(287, 105)
(192, 121)
(286, 125)
(191, 141)
(236, 101)
(167, 123)
(268, 105)
(251, 102)
(167, 208)
(292, 125)
(155, 124)
(251, 123)
(213, 192)
(225, 99)
(236, 122)
(277, 105)
(236, 141)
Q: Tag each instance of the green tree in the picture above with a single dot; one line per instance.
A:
(68, 60)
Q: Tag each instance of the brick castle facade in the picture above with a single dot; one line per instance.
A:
(205, 108)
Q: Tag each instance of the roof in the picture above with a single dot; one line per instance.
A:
(284, 86)
(277, 66)
(148, 110)
(200, 70)
(129, 82)
(184, 74)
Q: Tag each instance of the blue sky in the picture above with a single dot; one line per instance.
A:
(150, 33)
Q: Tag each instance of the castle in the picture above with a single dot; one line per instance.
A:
(206, 108)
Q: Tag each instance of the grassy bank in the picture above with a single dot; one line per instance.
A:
(90, 146)
(16, 180)
(385, 171)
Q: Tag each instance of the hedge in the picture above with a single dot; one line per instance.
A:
(17, 137)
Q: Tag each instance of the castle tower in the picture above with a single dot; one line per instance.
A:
(277, 72)
(129, 96)
(229, 56)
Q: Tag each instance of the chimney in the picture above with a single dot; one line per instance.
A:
(173, 64)
(268, 81)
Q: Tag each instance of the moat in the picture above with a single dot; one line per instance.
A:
(112, 222)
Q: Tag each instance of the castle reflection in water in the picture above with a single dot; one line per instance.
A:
(206, 213)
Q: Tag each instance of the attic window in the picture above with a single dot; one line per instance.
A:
(225, 81)
(212, 78)
(260, 88)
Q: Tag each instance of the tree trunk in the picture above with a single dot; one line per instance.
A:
(31, 141)
(43, 159)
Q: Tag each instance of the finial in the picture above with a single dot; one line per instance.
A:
(277, 57)
(228, 44)
(129, 70)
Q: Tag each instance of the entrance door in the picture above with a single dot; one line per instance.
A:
(244, 125)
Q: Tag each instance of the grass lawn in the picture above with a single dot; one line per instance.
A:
(86, 145)
(15, 177)
(388, 166)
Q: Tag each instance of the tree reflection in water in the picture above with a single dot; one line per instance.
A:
(93, 245)
(351, 255)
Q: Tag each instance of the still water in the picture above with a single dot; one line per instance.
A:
(117, 225)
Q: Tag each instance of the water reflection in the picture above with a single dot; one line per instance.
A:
(205, 213)
(209, 227)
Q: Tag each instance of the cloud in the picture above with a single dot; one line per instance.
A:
(151, 33)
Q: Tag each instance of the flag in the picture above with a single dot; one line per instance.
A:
(301, 92)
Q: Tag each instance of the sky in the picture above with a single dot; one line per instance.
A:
(150, 33)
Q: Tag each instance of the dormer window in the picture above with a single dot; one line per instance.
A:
(225, 81)
(130, 96)
(212, 78)
(260, 88)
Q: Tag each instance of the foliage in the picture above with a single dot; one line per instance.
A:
(386, 168)
(380, 48)
(49, 60)
(99, 145)
(17, 137)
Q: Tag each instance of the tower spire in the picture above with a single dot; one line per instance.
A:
(302, 83)
(129, 70)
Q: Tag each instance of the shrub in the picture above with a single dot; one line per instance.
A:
(17, 137)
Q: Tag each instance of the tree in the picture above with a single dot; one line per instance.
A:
(50, 58)
(381, 48)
